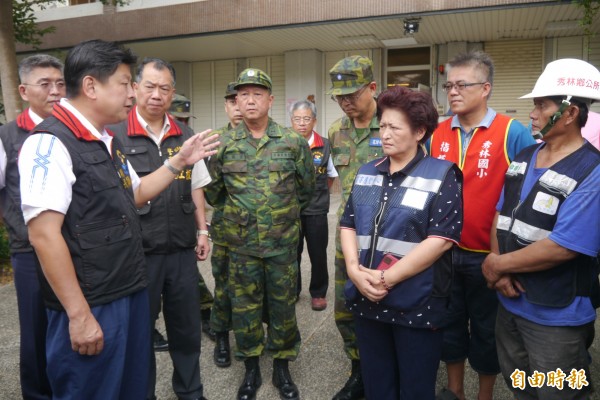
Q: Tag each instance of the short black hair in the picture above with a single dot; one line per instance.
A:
(30, 63)
(158, 64)
(96, 58)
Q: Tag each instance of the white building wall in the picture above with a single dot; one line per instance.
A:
(518, 64)
(298, 74)
(304, 78)
(210, 79)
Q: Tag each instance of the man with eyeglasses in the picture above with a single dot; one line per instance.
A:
(42, 86)
(482, 143)
(173, 223)
(314, 224)
(354, 141)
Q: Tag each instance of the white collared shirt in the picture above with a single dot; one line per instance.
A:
(46, 170)
(200, 175)
(157, 138)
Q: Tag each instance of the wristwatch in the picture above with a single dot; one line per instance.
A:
(171, 168)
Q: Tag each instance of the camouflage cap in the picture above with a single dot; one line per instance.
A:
(254, 76)
(180, 107)
(350, 74)
(230, 91)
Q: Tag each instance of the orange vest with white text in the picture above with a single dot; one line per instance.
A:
(485, 162)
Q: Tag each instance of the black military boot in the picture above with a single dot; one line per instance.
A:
(354, 388)
(282, 380)
(222, 352)
(252, 380)
(205, 322)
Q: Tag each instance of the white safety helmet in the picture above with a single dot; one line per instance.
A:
(568, 77)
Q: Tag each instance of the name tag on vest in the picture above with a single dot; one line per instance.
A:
(546, 203)
(516, 168)
(369, 180)
(375, 142)
(282, 154)
(414, 199)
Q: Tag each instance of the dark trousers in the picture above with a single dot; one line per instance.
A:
(471, 316)
(120, 371)
(175, 277)
(526, 349)
(314, 228)
(398, 363)
(33, 323)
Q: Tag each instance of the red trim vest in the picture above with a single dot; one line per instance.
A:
(485, 162)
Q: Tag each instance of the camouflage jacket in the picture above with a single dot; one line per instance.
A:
(216, 222)
(350, 151)
(263, 188)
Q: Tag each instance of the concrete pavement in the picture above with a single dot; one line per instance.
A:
(320, 370)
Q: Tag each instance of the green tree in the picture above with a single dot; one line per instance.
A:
(590, 11)
(17, 24)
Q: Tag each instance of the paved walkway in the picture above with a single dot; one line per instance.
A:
(320, 370)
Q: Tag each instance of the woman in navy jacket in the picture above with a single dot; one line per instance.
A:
(404, 214)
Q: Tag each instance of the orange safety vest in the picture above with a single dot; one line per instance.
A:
(485, 162)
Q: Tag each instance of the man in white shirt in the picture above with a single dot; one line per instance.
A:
(79, 198)
(314, 224)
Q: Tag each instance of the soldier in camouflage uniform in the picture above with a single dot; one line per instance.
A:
(220, 319)
(263, 174)
(354, 141)
(180, 111)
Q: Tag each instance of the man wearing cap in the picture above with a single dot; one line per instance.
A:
(546, 241)
(220, 319)
(263, 175)
(231, 107)
(180, 109)
(172, 223)
(354, 141)
(482, 143)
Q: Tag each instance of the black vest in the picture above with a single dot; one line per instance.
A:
(168, 223)
(319, 203)
(519, 225)
(13, 135)
(101, 227)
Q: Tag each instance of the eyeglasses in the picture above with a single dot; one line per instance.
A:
(46, 86)
(351, 98)
(460, 86)
(298, 120)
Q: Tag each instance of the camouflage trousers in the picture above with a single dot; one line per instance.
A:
(252, 281)
(220, 318)
(344, 320)
(206, 298)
